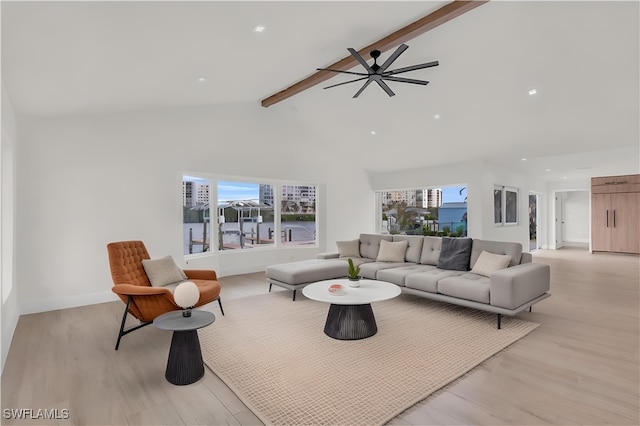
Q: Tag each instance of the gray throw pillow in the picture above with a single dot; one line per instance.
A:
(455, 254)
(163, 271)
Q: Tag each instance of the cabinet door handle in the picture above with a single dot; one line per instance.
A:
(614, 218)
(607, 218)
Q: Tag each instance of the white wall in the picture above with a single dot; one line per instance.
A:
(480, 178)
(10, 308)
(87, 181)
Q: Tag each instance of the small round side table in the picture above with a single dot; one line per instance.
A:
(184, 365)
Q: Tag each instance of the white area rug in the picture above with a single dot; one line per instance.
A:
(274, 355)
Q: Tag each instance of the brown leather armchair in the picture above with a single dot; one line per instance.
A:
(143, 301)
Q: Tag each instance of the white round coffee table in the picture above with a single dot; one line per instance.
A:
(350, 315)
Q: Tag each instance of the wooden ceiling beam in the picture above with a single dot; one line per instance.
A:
(421, 26)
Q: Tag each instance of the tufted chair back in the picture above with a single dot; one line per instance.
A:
(125, 260)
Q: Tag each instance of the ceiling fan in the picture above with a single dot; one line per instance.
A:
(378, 73)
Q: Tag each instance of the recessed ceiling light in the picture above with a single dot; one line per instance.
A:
(373, 132)
(201, 79)
(564, 177)
(523, 159)
(533, 91)
(547, 170)
(258, 28)
(436, 116)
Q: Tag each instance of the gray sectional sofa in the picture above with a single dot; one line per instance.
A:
(466, 272)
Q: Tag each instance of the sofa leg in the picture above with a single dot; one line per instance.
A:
(530, 308)
(499, 320)
(220, 303)
(270, 285)
(294, 295)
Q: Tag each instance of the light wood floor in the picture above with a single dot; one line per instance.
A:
(581, 366)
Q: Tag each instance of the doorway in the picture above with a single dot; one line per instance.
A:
(533, 222)
(559, 220)
(571, 217)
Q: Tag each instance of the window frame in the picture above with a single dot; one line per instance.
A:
(277, 186)
(504, 208)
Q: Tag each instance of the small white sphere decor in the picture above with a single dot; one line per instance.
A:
(186, 296)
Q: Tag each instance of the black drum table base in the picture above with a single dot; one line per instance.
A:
(350, 322)
(185, 364)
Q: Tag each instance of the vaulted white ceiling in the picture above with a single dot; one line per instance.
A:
(62, 58)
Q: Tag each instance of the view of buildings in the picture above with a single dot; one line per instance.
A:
(424, 211)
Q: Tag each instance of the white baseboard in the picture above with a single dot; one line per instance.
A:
(9, 324)
(37, 306)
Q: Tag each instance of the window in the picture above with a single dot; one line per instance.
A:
(424, 211)
(245, 215)
(298, 214)
(196, 226)
(505, 205)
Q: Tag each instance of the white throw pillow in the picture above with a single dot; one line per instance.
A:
(488, 263)
(349, 248)
(392, 251)
(163, 271)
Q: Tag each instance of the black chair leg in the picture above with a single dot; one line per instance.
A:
(122, 331)
(220, 303)
(530, 308)
(499, 319)
(124, 319)
(294, 295)
(270, 284)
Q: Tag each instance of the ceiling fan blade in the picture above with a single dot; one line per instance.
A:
(345, 82)
(385, 87)
(361, 60)
(411, 68)
(362, 88)
(406, 80)
(392, 58)
(342, 71)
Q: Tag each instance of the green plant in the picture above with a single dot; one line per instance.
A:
(446, 230)
(460, 229)
(353, 270)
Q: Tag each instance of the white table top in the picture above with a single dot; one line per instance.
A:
(369, 291)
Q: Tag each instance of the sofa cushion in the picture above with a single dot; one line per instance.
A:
(415, 246)
(370, 270)
(497, 247)
(349, 248)
(392, 252)
(467, 286)
(455, 254)
(430, 250)
(427, 280)
(398, 275)
(370, 244)
(163, 271)
(488, 263)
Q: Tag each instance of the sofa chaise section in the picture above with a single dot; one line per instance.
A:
(296, 275)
